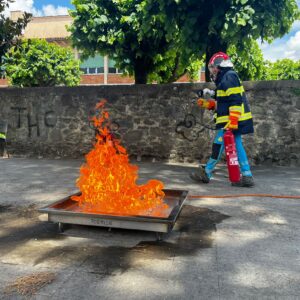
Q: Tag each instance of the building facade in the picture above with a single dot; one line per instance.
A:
(96, 70)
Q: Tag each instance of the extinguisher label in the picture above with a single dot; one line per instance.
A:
(233, 161)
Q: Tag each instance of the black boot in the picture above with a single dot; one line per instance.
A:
(246, 181)
(200, 176)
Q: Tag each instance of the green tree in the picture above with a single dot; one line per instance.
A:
(39, 63)
(213, 26)
(142, 35)
(248, 60)
(10, 30)
(171, 67)
(283, 69)
(115, 28)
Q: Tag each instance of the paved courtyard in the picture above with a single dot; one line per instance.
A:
(220, 248)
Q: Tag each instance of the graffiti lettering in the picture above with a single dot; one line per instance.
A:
(19, 109)
(114, 128)
(34, 120)
(31, 125)
(190, 129)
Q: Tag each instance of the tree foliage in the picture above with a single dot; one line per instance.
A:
(211, 26)
(38, 63)
(283, 69)
(157, 36)
(170, 68)
(10, 30)
(116, 28)
(248, 60)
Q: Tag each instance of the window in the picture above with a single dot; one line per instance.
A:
(92, 70)
(112, 68)
(84, 70)
(93, 65)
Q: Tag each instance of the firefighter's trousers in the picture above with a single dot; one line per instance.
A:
(217, 150)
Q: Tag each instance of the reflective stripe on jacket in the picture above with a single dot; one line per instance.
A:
(230, 96)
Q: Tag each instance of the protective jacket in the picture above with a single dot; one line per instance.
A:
(230, 96)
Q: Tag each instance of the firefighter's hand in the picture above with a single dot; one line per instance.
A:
(200, 102)
(206, 103)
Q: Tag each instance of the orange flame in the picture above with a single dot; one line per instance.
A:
(108, 181)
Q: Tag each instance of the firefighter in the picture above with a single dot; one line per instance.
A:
(232, 111)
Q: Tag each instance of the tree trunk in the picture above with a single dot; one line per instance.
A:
(175, 74)
(140, 72)
(214, 45)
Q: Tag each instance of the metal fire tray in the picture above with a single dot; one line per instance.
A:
(67, 211)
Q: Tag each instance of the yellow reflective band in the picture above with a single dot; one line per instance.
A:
(230, 91)
(225, 119)
(221, 93)
(222, 119)
(246, 116)
(235, 108)
(2, 136)
(220, 139)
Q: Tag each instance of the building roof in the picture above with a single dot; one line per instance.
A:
(47, 27)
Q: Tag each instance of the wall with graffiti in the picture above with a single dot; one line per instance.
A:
(152, 121)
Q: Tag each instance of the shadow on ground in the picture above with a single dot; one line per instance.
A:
(28, 240)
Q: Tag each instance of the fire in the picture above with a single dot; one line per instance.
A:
(107, 180)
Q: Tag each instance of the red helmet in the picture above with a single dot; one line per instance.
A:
(220, 59)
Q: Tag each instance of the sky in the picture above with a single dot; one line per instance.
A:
(286, 47)
(42, 7)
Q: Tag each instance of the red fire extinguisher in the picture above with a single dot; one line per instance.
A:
(231, 157)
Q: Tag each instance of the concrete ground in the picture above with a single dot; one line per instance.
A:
(230, 248)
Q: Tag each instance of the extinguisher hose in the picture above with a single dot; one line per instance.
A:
(245, 195)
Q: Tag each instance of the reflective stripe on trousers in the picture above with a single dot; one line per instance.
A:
(241, 153)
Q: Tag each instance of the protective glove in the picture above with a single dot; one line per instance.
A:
(208, 93)
(207, 103)
(233, 120)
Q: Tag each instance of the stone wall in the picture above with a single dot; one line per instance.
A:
(158, 121)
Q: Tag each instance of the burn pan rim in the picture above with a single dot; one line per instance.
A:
(48, 209)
